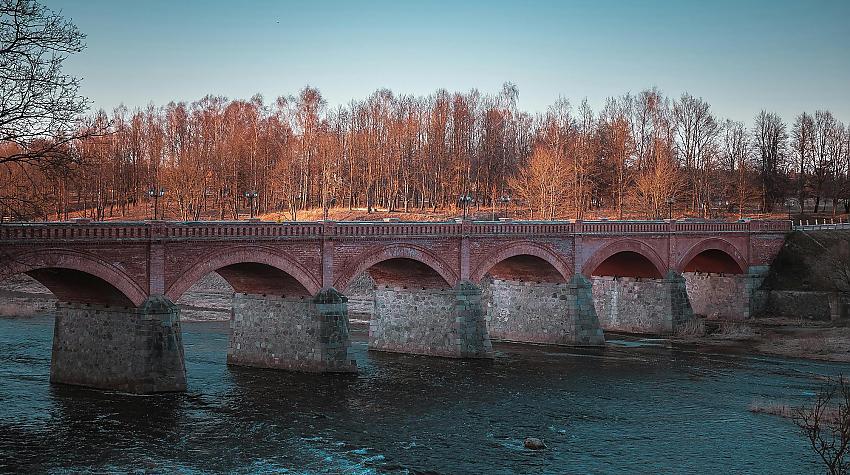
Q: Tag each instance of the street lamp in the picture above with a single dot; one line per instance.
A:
(505, 199)
(293, 206)
(156, 194)
(670, 202)
(788, 204)
(251, 196)
(464, 200)
(328, 204)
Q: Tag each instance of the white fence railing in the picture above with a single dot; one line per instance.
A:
(821, 224)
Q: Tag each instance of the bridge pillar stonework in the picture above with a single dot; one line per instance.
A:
(725, 296)
(434, 322)
(543, 312)
(642, 305)
(136, 350)
(309, 335)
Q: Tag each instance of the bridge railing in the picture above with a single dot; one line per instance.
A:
(377, 228)
(624, 227)
(821, 224)
(75, 231)
(237, 229)
(112, 230)
(513, 228)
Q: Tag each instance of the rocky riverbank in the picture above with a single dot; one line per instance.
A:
(792, 338)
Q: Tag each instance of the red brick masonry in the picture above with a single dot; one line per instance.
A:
(122, 263)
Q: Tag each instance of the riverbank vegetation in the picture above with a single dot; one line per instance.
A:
(791, 338)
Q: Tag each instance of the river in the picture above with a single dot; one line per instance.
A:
(634, 407)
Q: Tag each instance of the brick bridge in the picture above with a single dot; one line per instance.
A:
(441, 289)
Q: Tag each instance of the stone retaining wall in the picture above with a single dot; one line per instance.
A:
(811, 305)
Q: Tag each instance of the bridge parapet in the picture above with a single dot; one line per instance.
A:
(217, 230)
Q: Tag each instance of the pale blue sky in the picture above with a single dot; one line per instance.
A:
(741, 56)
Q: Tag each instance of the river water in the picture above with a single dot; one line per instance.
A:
(634, 407)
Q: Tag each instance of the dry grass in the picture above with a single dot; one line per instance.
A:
(696, 328)
(759, 406)
(693, 328)
(827, 344)
(790, 322)
(734, 331)
(831, 414)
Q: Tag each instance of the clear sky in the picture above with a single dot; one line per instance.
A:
(741, 56)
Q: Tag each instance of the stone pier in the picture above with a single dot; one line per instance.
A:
(723, 296)
(543, 312)
(642, 305)
(297, 334)
(136, 350)
(434, 322)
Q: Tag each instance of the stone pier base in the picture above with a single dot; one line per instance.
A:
(540, 312)
(432, 322)
(308, 335)
(640, 305)
(136, 350)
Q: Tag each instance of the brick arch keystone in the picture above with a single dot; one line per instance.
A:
(60, 258)
(709, 244)
(378, 254)
(215, 260)
(519, 249)
(622, 245)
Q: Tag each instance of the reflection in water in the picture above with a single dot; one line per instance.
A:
(627, 408)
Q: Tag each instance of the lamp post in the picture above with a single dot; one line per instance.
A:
(505, 199)
(293, 205)
(670, 202)
(328, 204)
(465, 199)
(251, 196)
(156, 194)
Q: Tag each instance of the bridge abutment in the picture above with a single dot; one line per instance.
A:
(434, 322)
(136, 350)
(642, 305)
(541, 312)
(309, 335)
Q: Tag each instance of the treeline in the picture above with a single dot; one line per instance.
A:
(640, 155)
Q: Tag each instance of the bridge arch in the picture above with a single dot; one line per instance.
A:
(515, 250)
(631, 257)
(713, 255)
(249, 267)
(75, 276)
(396, 252)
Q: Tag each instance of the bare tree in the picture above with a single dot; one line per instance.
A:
(543, 183)
(826, 425)
(39, 103)
(770, 136)
(696, 134)
(801, 144)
